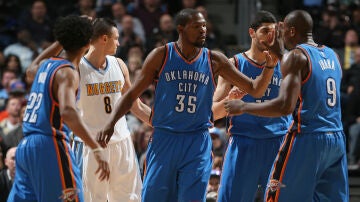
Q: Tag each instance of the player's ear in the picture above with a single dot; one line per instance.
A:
(252, 32)
(180, 28)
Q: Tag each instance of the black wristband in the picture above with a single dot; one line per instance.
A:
(269, 67)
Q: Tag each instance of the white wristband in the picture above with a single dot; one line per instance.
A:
(97, 149)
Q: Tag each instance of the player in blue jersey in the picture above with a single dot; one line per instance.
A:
(254, 141)
(178, 161)
(311, 164)
(45, 167)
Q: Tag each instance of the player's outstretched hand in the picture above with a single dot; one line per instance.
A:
(103, 169)
(271, 60)
(275, 43)
(103, 137)
(234, 107)
(236, 93)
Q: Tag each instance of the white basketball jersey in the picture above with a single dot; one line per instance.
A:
(99, 92)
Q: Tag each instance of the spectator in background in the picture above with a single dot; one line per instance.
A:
(214, 181)
(330, 31)
(347, 53)
(12, 62)
(118, 12)
(26, 48)
(38, 23)
(136, 49)
(165, 33)
(134, 63)
(142, 138)
(13, 107)
(85, 7)
(14, 136)
(6, 77)
(127, 37)
(352, 115)
(7, 175)
(2, 59)
(218, 141)
(213, 35)
(149, 13)
(355, 19)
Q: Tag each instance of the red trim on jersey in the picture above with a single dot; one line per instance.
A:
(261, 66)
(184, 59)
(210, 65)
(310, 64)
(299, 114)
(158, 76)
(51, 82)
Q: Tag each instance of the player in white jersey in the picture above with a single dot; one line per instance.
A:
(103, 79)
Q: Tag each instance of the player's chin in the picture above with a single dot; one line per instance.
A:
(200, 43)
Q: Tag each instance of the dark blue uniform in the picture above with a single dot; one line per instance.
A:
(311, 165)
(178, 161)
(254, 141)
(45, 168)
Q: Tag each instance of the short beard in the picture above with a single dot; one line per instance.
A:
(199, 44)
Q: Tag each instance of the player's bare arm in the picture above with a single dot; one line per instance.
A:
(223, 67)
(293, 66)
(65, 84)
(53, 50)
(222, 89)
(139, 109)
(150, 70)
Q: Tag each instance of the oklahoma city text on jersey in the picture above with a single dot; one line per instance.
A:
(187, 75)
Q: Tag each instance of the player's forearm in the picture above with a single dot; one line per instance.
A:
(75, 123)
(261, 83)
(121, 108)
(53, 50)
(141, 111)
(273, 108)
(218, 110)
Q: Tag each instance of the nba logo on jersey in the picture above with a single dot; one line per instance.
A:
(275, 185)
(69, 194)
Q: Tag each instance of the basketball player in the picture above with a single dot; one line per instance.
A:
(45, 168)
(103, 79)
(254, 141)
(178, 161)
(311, 164)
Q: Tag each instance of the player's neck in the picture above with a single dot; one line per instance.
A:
(187, 51)
(96, 58)
(256, 55)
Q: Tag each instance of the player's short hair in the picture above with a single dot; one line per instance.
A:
(184, 16)
(262, 17)
(73, 32)
(102, 26)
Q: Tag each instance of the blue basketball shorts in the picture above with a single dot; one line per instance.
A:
(45, 171)
(178, 166)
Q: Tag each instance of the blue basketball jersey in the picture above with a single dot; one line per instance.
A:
(184, 91)
(256, 126)
(320, 111)
(42, 114)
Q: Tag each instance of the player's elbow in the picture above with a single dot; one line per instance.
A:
(286, 108)
(67, 113)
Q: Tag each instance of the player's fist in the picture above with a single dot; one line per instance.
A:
(234, 107)
(236, 93)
